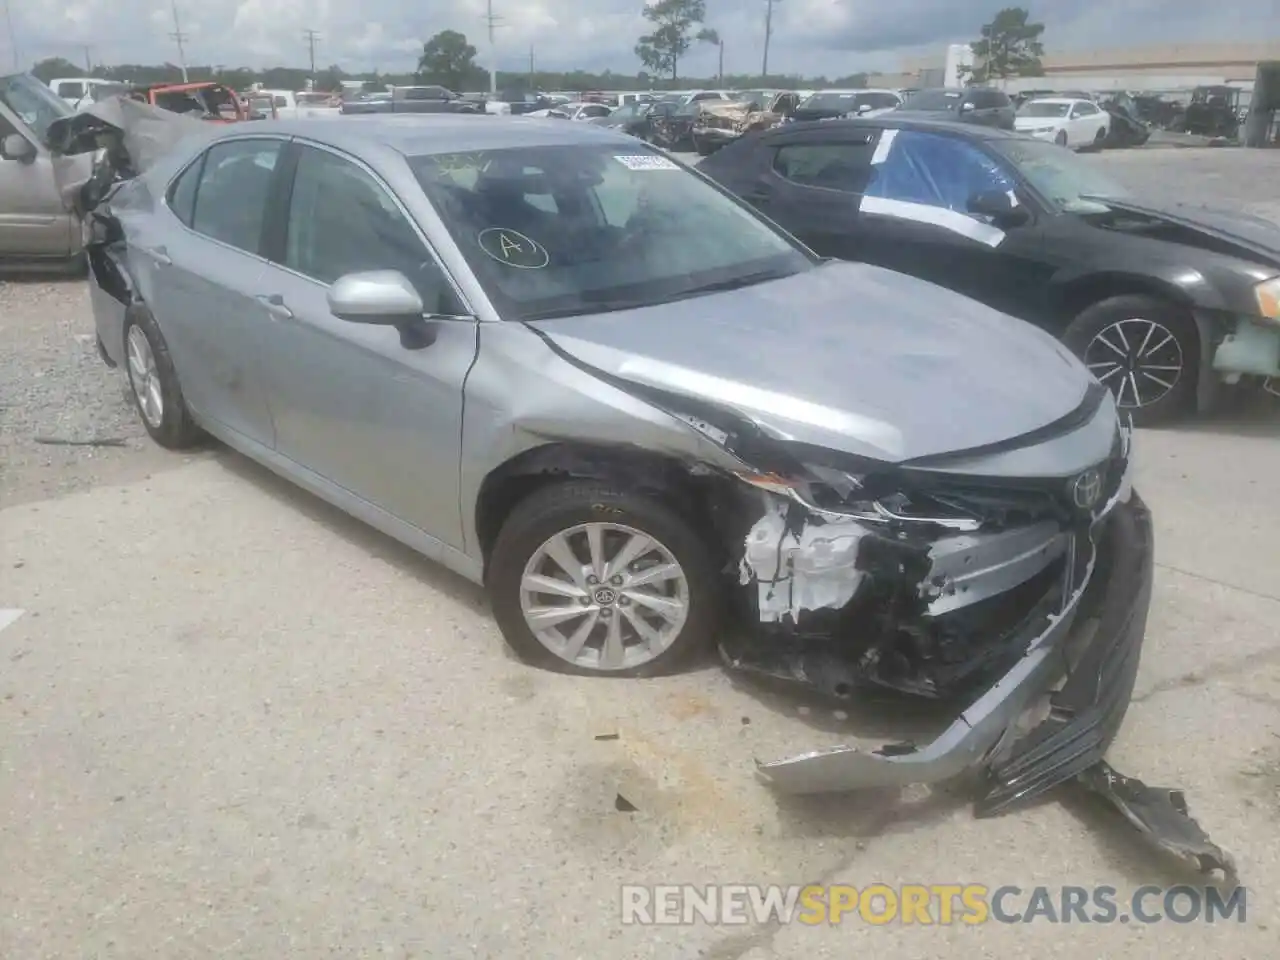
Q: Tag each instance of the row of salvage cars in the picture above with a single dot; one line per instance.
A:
(652, 422)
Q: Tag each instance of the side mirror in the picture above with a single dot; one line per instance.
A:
(966, 107)
(383, 297)
(863, 108)
(1000, 206)
(17, 147)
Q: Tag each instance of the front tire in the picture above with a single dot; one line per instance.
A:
(1061, 138)
(589, 580)
(153, 383)
(1145, 350)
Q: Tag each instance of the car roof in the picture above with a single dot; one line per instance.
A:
(418, 134)
(1057, 100)
(897, 121)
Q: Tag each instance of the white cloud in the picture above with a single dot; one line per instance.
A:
(810, 36)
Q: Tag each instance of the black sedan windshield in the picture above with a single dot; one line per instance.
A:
(1069, 182)
(934, 100)
(574, 229)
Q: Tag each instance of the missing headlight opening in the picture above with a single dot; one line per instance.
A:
(994, 598)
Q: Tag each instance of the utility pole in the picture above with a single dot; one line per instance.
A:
(180, 38)
(13, 38)
(720, 70)
(88, 60)
(768, 33)
(492, 22)
(312, 37)
(531, 69)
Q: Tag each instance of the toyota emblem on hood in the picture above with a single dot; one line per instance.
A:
(1086, 489)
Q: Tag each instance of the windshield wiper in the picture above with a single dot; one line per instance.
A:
(734, 283)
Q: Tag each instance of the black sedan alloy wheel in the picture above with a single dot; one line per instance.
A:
(1139, 359)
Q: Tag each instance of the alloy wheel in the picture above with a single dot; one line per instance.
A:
(604, 596)
(145, 378)
(1139, 359)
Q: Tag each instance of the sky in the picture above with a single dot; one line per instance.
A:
(810, 37)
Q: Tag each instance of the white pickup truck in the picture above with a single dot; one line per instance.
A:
(305, 104)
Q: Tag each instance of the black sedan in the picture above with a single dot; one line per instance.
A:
(1163, 301)
(632, 118)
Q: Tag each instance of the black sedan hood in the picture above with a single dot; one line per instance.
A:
(1218, 231)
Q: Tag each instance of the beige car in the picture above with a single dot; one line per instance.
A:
(720, 122)
(37, 228)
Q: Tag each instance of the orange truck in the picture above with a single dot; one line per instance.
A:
(206, 100)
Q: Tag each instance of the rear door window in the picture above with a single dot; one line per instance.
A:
(934, 170)
(231, 198)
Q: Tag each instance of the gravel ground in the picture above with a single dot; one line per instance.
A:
(54, 386)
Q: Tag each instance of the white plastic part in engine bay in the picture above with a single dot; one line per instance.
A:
(814, 570)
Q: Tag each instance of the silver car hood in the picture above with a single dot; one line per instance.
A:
(850, 357)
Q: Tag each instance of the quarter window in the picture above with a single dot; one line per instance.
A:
(341, 220)
(182, 195)
(231, 199)
(844, 166)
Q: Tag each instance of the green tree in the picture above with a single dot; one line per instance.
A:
(448, 60)
(330, 78)
(676, 24)
(53, 67)
(1010, 47)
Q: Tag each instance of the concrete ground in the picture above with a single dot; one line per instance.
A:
(235, 722)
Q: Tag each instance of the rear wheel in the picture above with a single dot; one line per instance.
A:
(587, 579)
(153, 383)
(1145, 350)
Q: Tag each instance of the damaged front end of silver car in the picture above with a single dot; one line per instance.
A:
(991, 593)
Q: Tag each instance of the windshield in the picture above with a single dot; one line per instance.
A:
(933, 100)
(34, 103)
(572, 229)
(1043, 108)
(1060, 175)
(849, 102)
(629, 112)
(105, 91)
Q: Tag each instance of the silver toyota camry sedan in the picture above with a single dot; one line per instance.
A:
(647, 419)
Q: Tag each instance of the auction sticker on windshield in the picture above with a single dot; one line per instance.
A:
(512, 248)
(647, 161)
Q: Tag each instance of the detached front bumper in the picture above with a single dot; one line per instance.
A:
(1086, 663)
(1094, 643)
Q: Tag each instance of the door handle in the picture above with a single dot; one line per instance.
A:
(275, 305)
(159, 254)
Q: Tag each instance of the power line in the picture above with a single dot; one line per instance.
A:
(492, 22)
(312, 37)
(768, 33)
(180, 38)
(13, 37)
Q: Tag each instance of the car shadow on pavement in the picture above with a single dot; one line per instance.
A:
(868, 721)
(378, 544)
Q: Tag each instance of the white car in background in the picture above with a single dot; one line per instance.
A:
(79, 92)
(574, 111)
(305, 104)
(1066, 121)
